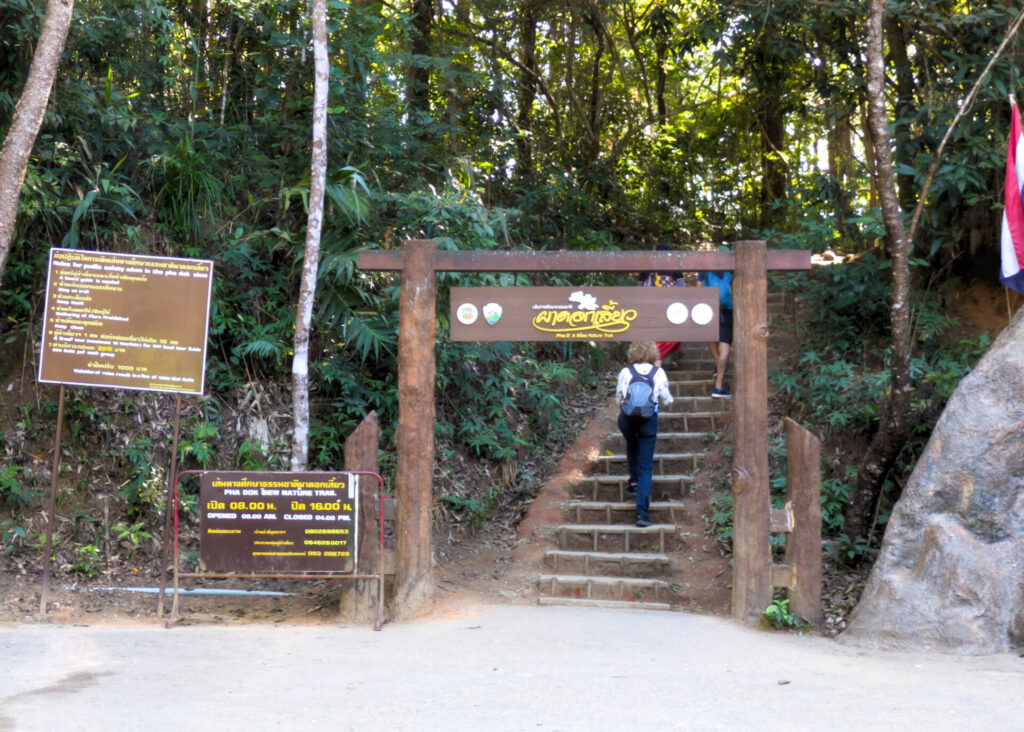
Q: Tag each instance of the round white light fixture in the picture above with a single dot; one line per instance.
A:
(677, 313)
(702, 313)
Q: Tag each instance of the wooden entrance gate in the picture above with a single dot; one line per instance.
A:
(754, 576)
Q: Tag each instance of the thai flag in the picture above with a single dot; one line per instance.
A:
(1012, 245)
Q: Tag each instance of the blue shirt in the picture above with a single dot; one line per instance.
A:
(721, 280)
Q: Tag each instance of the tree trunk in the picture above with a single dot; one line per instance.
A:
(894, 423)
(311, 260)
(458, 67)
(418, 77)
(28, 117)
(527, 91)
(774, 176)
(596, 105)
(896, 35)
(662, 81)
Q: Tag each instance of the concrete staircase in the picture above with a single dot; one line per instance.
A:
(601, 558)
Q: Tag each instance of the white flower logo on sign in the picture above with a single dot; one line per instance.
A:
(584, 300)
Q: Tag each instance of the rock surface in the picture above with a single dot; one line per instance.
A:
(950, 576)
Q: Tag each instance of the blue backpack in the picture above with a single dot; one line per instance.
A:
(639, 401)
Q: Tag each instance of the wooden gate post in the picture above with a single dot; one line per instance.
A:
(359, 604)
(803, 546)
(414, 438)
(751, 584)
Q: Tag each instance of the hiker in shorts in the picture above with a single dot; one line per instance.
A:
(641, 387)
(662, 279)
(720, 348)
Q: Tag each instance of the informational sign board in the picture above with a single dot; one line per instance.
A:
(126, 321)
(584, 313)
(278, 521)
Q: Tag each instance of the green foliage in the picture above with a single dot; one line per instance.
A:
(474, 511)
(198, 443)
(133, 534)
(13, 490)
(252, 456)
(719, 518)
(190, 191)
(840, 377)
(87, 561)
(780, 616)
(146, 482)
(835, 494)
(850, 551)
(493, 394)
(12, 536)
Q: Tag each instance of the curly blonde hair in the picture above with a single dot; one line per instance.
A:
(643, 352)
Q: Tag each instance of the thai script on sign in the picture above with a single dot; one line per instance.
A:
(607, 319)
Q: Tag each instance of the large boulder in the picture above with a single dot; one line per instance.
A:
(950, 575)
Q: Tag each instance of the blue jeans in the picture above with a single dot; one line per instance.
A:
(640, 435)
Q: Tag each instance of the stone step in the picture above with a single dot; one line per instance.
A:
(698, 405)
(671, 420)
(618, 537)
(665, 463)
(607, 604)
(668, 441)
(691, 387)
(634, 589)
(684, 370)
(613, 512)
(613, 487)
(617, 564)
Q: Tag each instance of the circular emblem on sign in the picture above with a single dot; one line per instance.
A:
(702, 313)
(466, 313)
(676, 313)
(492, 313)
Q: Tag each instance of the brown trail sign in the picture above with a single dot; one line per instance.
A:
(602, 314)
(419, 260)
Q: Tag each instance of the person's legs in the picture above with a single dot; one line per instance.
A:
(629, 434)
(716, 355)
(721, 352)
(665, 350)
(721, 360)
(646, 437)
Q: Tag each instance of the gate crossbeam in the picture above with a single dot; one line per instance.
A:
(392, 260)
